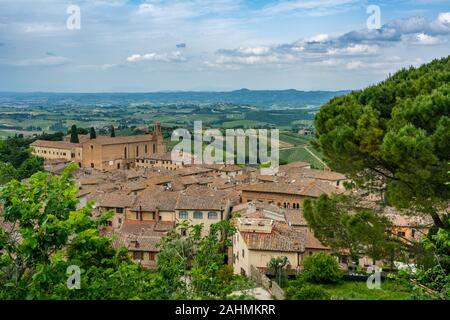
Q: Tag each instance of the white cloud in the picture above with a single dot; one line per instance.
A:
(425, 39)
(355, 49)
(174, 56)
(444, 18)
(317, 38)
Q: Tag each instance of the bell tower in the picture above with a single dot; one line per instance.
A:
(160, 145)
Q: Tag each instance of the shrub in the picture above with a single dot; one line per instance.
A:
(321, 268)
(307, 292)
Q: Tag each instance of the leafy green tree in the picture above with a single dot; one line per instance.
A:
(74, 134)
(192, 266)
(43, 234)
(277, 266)
(394, 137)
(321, 268)
(92, 134)
(113, 132)
(7, 172)
(14, 150)
(29, 167)
(337, 223)
(57, 136)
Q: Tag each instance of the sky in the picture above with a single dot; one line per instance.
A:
(214, 45)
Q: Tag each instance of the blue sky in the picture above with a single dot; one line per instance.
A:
(155, 45)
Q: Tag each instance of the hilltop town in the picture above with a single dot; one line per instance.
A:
(149, 194)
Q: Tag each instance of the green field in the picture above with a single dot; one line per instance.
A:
(294, 138)
(300, 154)
(357, 290)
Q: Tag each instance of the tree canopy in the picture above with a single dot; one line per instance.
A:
(394, 137)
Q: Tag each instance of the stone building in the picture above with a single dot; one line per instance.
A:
(103, 153)
(63, 150)
(258, 240)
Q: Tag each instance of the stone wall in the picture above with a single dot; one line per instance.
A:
(271, 286)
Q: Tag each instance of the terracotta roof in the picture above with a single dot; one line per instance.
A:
(159, 179)
(203, 198)
(230, 168)
(297, 164)
(157, 156)
(55, 144)
(295, 217)
(321, 174)
(143, 243)
(151, 200)
(105, 140)
(266, 178)
(146, 228)
(116, 199)
(282, 238)
(312, 242)
(187, 171)
(399, 220)
(141, 236)
(308, 188)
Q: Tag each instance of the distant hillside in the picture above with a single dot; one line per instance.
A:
(260, 98)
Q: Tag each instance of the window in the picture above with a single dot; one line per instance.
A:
(151, 256)
(137, 151)
(120, 220)
(154, 148)
(212, 215)
(183, 215)
(183, 232)
(137, 255)
(108, 223)
(125, 152)
(198, 215)
(119, 210)
(146, 148)
(243, 254)
(401, 234)
(413, 233)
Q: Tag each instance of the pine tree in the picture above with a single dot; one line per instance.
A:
(74, 134)
(93, 135)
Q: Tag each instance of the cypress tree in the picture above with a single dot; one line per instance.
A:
(113, 132)
(74, 134)
(93, 135)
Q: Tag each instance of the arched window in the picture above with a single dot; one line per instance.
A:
(198, 215)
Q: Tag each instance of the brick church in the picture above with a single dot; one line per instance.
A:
(103, 153)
